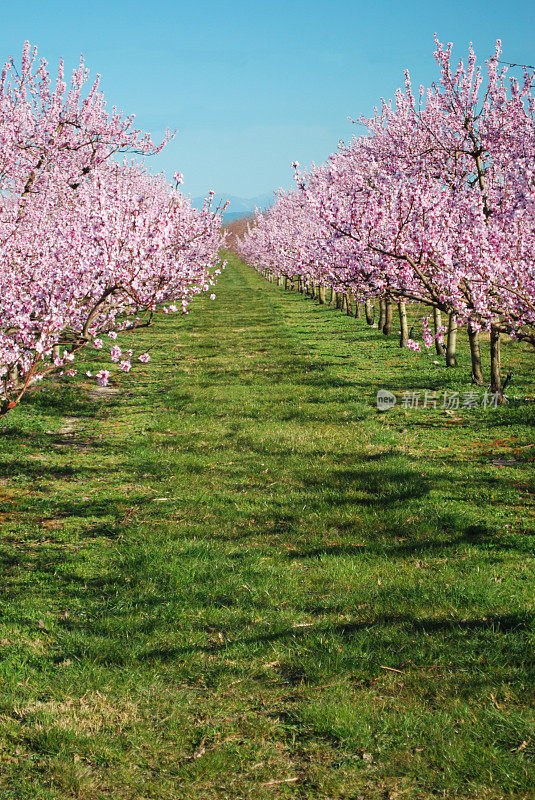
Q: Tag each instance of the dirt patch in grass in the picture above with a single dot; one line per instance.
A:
(89, 714)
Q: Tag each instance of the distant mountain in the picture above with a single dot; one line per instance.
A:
(238, 206)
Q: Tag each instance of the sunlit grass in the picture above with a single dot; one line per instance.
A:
(234, 578)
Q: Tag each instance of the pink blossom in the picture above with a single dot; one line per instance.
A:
(115, 353)
(144, 358)
(428, 338)
(103, 377)
(126, 366)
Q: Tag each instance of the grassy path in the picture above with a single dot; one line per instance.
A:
(235, 579)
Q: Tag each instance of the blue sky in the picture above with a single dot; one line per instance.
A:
(251, 86)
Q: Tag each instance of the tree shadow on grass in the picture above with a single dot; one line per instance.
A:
(59, 401)
(18, 467)
(497, 623)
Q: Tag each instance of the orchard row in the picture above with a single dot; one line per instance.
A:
(433, 204)
(91, 244)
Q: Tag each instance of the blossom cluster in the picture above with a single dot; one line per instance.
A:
(89, 245)
(434, 204)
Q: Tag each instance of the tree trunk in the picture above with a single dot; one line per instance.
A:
(339, 300)
(13, 375)
(451, 344)
(382, 314)
(437, 320)
(321, 294)
(387, 326)
(349, 305)
(404, 327)
(495, 366)
(358, 309)
(369, 311)
(475, 355)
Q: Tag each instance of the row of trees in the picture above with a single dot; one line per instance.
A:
(433, 204)
(90, 243)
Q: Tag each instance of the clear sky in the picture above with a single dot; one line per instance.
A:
(250, 86)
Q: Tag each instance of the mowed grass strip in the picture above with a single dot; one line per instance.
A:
(234, 578)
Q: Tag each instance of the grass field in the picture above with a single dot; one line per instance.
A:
(234, 578)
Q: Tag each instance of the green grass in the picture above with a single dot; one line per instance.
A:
(234, 578)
